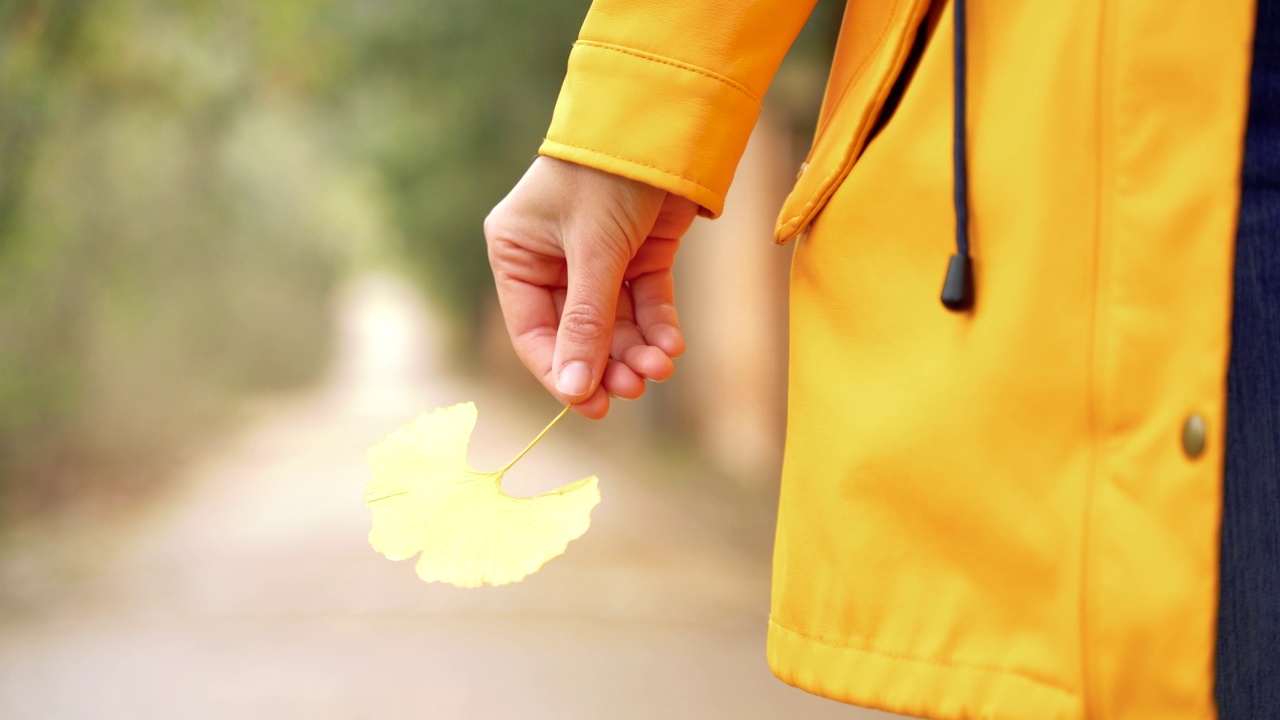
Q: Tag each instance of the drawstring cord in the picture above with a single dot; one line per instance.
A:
(957, 289)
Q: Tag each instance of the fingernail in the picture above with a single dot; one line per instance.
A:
(574, 379)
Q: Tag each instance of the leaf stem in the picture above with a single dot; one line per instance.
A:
(541, 435)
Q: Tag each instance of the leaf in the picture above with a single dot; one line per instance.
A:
(426, 499)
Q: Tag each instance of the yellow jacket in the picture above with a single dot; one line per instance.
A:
(984, 514)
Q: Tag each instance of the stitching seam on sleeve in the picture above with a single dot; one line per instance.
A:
(673, 63)
(717, 195)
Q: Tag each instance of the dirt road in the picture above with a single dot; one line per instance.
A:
(250, 591)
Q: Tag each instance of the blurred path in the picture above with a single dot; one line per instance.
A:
(250, 590)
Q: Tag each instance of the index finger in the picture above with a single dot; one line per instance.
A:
(529, 312)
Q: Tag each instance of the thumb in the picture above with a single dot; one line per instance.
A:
(585, 334)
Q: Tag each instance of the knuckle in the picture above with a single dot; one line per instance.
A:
(584, 325)
(495, 226)
(505, 224)
(663, 312)
(502, 241)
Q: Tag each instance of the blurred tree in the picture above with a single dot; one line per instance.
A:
(454, 98)
(171, 215)
(179, 183)
(39, 39)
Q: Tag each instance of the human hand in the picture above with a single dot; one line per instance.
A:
(582, 261)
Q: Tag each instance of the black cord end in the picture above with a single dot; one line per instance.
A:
(957, 290)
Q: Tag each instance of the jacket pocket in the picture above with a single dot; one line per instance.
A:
(876, 40)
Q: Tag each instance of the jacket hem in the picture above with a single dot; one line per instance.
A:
(931, 689)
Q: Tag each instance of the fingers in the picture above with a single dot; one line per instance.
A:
(560, 245)
(594, 407)
(620, 381)
(654, 297)
(595, 270)
(631, 347)
(529, 310)
(532, 314)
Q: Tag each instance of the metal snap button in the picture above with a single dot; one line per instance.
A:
(1193, 436)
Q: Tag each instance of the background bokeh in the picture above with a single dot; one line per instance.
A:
(240, 242)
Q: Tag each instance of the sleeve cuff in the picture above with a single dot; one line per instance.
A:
(659, 121)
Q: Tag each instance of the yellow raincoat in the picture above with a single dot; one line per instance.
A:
(993, 513)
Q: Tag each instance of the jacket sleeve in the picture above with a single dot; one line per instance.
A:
(666, 91)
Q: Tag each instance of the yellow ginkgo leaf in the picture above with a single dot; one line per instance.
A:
(426, 499)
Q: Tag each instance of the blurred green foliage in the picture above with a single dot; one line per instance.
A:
(181, 183)
(171, 219)
(451, 102)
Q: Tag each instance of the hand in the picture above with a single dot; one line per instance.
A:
(582, 262)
